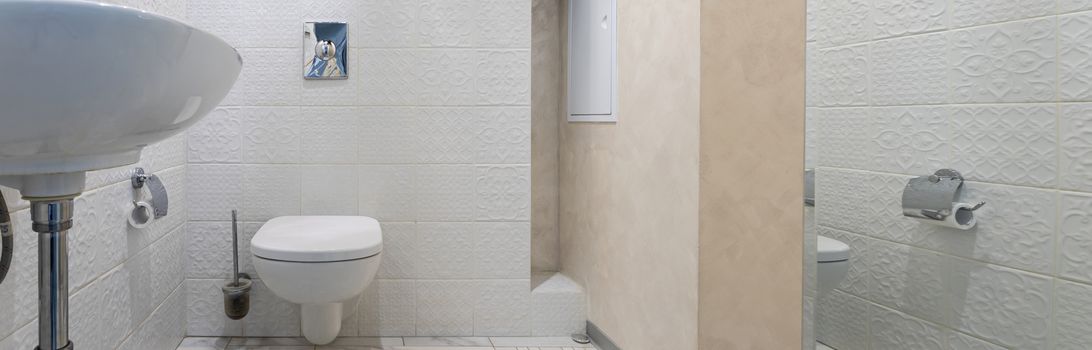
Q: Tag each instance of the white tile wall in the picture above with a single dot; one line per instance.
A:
(430, 135)
(999, 90)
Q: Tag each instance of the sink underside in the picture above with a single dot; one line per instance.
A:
(86, 86)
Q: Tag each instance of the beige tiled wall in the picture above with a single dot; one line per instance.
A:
(629, 191)
(752, 149)
(545, 110)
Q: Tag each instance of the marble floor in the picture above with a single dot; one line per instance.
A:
(386, 343)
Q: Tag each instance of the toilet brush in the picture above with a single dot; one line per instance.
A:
(236, 293)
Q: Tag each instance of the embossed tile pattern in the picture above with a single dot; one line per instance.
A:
(431, 135)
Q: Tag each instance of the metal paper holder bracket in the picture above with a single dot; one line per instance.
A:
(155, 187)
(935, 197)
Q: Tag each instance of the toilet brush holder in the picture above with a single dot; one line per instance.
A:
(237, 298)
(236, 292)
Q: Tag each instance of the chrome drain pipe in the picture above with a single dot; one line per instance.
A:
(52, 218)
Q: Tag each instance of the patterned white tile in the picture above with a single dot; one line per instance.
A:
(205, 310)
(503, 193)
(96, 245)
(269, 191)
(445, 307)
(388, 23)
(446, 250)
(446, 192)
(960, 341)
(897, 18)
(213, 191)
(389, 308)
(447, 342)
(1014, 144)
(1015, 228)
(329, 135)
(503, 77)
(274, 23)
(503, 308)
(893, 330)
(108, 298)
(1010, 62)
(447, 23)
(857, 279)
(909, 140)
(164, 329)
(208, 249)
(967, 13)
(503, 23)
(217, 138)
(843, 137)
(840, 22)
(388, 77)
(502, 250)
(1075, 57)
(330, 190)
(1073, 5)
(840, 76)
(388, 192)
(399, 250)
(20, 287)
(448, 77)
(446, 135)
(504, 135)
(842, 321)
(270, 315)
(1076, 131)
(387, 135)
(811, 281)
(1075, 235)
(811, 139)
(1005, 306)
(910, 70)
(248, 135)
(269, 77)
(1073, 315)
(908, 279)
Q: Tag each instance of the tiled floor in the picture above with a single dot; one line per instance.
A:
(387, 343)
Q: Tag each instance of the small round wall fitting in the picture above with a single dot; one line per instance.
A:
(581, 338)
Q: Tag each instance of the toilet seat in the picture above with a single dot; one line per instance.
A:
(832, 250)
(318, 239)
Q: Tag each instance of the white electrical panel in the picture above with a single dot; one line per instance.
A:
(593, 92)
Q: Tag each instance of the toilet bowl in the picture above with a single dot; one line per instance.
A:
(833, 260)
(322, 263)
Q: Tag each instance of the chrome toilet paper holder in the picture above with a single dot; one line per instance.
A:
(155, 187)
(935, 197)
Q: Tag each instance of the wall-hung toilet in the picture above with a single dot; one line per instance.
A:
(322, 263)
(833, 263)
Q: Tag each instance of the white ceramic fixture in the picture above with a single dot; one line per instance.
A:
(833, 263)
(86, 86)
(322, 263)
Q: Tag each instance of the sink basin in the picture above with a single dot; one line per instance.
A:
(85, 86)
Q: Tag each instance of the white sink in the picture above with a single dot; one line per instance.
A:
(85, 86)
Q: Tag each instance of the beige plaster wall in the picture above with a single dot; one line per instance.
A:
(629, 191)
(545, 101)
(752, 156)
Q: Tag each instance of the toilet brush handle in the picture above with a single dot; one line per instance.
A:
(235, 246)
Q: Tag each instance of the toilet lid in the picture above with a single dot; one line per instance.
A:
(318, 238)
(832, 250)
